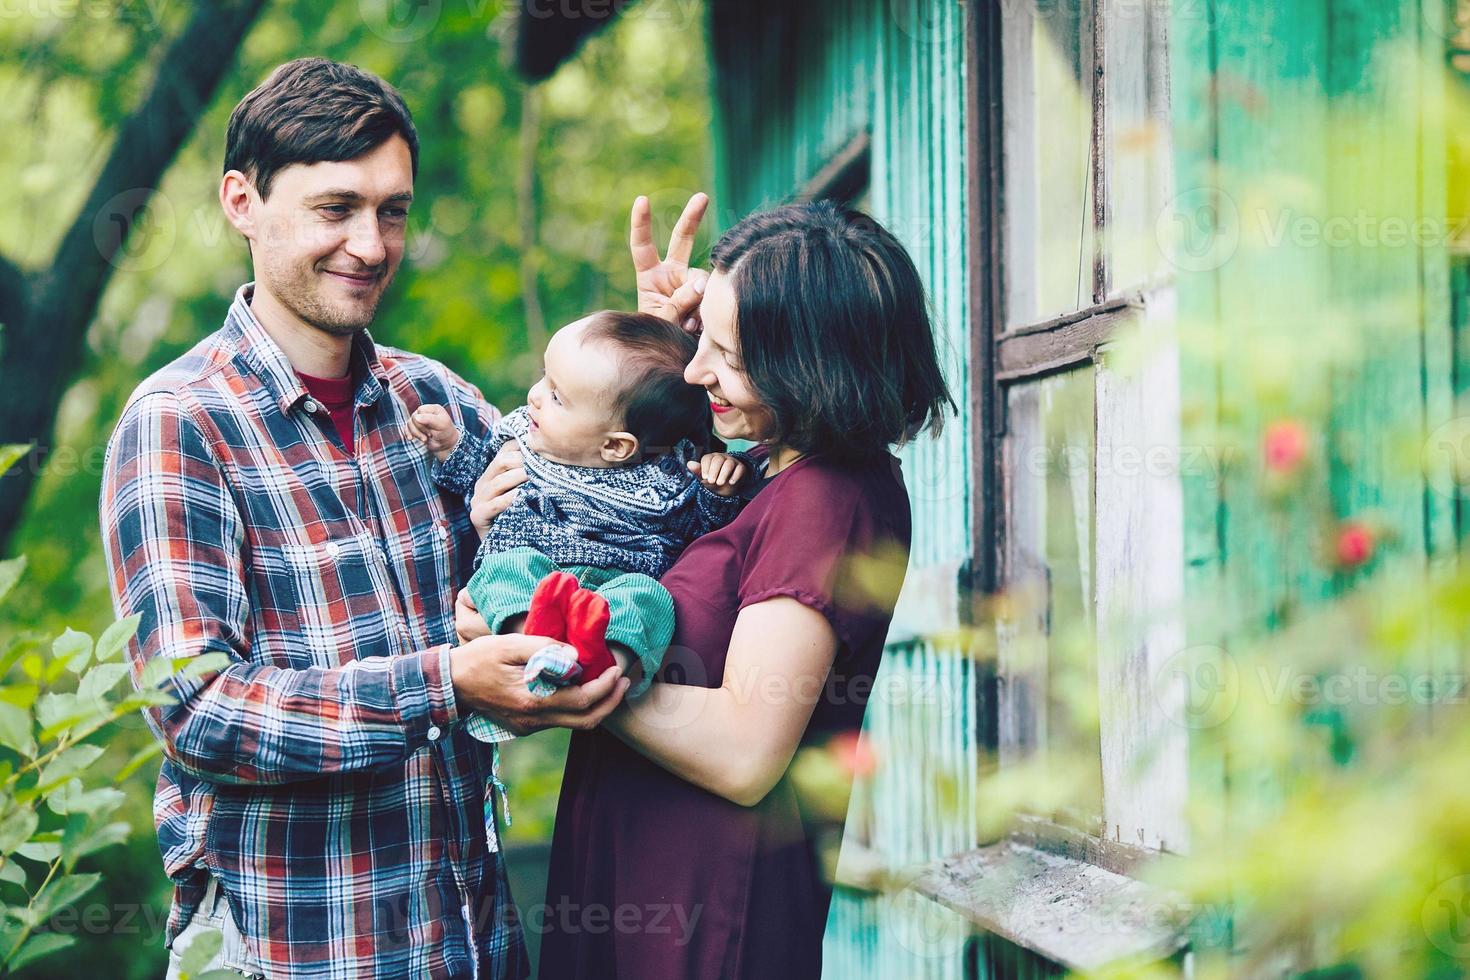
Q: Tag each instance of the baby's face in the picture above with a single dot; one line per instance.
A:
(573, 405)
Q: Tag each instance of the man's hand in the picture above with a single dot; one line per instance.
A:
(497, 487)
(667, 287)
(488, 676)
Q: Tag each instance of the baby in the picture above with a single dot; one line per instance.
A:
(609, 439)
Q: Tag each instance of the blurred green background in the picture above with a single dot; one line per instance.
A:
(519, 225)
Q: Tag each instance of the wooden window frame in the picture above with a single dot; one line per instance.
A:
(1003, 357)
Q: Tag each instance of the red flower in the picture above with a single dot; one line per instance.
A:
(1285, 445)
(1355, 543)
(853, 753)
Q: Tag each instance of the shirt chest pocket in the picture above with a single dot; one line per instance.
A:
(430, 559)
(332, 600)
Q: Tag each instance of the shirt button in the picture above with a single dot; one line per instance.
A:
(311, 406)
(443, 531)
(434, 733)
(333, 549)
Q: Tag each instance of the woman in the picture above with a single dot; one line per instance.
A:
(680, 848)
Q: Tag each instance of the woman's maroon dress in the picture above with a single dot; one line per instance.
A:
(652, 877)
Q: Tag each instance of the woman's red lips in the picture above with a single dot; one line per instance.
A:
(719, 409)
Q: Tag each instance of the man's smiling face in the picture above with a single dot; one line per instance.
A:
(329, 238)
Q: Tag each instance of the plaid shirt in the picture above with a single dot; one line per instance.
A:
(321, 776)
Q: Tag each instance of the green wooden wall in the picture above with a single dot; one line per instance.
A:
(1325, 121)
(1289, 120)
(1312, 112)
(795, 85)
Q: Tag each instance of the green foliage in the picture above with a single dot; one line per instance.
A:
(56, 804)
(630, 115)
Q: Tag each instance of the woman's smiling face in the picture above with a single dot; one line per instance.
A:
(716, 367)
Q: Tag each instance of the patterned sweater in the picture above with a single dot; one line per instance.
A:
(636, 518)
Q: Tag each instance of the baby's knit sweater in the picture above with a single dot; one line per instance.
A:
(636, 518)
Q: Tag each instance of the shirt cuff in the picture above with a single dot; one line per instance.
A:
(425, 693)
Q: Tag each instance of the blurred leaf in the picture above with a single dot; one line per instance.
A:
(100, 680)
(56, 712)
(12, 872)
(20, 695)
(152, 750)
(10, 454)
(16, 828)
(155, 672)
(43, 851)
(85, 836)
(204, 948)
(71, 797)
(73, 649)
(18, 649)
(206, 663)
(41, 945)
(10, 573)
(147, 698)
(68, 762)
(15, 729)
(60, 893)
(114, 639)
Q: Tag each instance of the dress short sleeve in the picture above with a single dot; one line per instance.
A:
(821, 534)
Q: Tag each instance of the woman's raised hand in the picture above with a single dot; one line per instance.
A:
(667, 287)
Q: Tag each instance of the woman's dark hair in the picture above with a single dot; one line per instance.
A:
(658, 406)
(833, 329)
(313, 111)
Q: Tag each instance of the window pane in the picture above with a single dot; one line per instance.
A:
(1137, 159)
(1049, 657)
(1047, 75)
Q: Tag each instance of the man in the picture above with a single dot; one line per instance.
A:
(264, 499)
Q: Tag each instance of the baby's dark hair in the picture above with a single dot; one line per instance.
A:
(658, 406)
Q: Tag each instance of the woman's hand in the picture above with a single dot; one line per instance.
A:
(497, 487)
(667, 287)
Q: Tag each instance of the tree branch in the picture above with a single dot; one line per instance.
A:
(43, 345)
(15, 298)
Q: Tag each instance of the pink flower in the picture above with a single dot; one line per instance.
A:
(1355, 544)
(854, 754)
(1285, 445)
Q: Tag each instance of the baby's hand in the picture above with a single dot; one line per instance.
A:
(720, 473)
(432, 426)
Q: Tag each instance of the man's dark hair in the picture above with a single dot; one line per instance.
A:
(833, 329)
(313, 111)
(658, 406)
